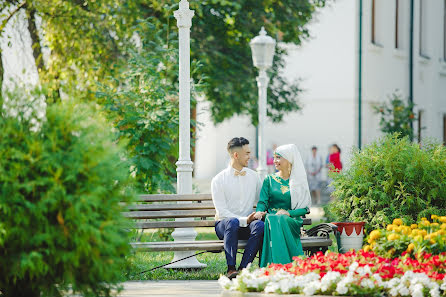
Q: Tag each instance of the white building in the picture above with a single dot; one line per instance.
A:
(330, 66)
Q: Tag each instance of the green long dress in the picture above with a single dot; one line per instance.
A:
(281, 241)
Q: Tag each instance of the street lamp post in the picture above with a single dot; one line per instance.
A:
(184, 165)
(262, 47)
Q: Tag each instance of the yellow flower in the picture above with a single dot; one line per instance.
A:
(435, 225)
(406, 230)
(410, 247)
(434, 217)
(367, 248)
(423, 219)
(371, 241)
(424, 223)
(432, 241)
(398, 222)
(442, 219)
(423, 232)
(392, 237)
(390, 227)
(414, 226)
(418, 238)
(443, 226)
(414, 232)
(375, 234)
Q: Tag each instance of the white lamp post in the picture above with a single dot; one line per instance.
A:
(262, 47)
(184, 165)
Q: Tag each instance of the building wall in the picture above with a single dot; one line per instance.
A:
(386, 68)
(326, 65)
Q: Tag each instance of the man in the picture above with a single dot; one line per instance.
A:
(235, 191)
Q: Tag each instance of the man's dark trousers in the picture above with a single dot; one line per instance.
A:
(230, 231)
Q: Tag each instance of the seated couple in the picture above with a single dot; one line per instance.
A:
(281, 202)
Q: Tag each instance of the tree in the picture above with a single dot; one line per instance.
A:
(88, 42)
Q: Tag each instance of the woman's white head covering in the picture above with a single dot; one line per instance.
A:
(300, 193)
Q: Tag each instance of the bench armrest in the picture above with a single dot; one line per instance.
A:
(323, 229)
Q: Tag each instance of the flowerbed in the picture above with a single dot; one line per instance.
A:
(397, 239)
(354, 273)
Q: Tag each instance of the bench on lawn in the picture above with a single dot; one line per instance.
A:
(159, 210)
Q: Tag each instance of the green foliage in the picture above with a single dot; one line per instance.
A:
(143, 106)
(391, 178)
(61, 181)
(89, 41)
(396, 116)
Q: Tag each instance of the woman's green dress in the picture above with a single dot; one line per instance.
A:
(281, 241)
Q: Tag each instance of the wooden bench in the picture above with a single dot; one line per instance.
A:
(158, 211)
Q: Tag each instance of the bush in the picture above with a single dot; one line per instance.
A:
(396, 116)
(398, 239)
(391, 178)
(61, 180)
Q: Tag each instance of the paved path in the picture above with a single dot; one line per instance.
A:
(178, 288)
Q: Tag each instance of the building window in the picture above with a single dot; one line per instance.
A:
(377, 13)
(400, 23)
(444, 129)
(420, 125)
(423, 30)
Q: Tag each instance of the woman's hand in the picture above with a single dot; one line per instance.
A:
(282, 212)
(259, 215)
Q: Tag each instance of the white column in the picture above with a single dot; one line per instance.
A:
(262, 84)
(184, 165)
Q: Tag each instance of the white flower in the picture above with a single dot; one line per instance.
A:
(353, 266)
(417, 290)
(224, 282)
(271, 287)
(341, 288)
(367, 283)
(311, 288)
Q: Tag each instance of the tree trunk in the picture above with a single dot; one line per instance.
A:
(53, 95)
(35, 39)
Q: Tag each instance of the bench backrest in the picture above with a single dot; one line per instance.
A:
(158, 210)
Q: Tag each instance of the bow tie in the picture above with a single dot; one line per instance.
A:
(239, 173)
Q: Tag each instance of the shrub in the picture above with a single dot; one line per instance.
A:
(61, 180)
(391, 178)
(396, 116)
(398, 239)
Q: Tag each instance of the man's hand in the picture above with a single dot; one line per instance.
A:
(251, 217)
(282, 212)
(259, 215)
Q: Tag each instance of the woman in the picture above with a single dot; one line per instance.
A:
(335, 165)
(284, 199)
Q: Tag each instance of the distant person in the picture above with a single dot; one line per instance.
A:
(235, 191)
(270, 159)
(314, 166)
(334, 164)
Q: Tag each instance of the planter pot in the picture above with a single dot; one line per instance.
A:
(349, 235)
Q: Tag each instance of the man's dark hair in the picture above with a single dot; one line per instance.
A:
(314, 147)
(236, 142)
(337, 147)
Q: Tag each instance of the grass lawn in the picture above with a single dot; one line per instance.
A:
(216, 262)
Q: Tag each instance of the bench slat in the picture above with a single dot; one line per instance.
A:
(177, 206)
(215, 245)
(163, 214)
(179, 224)
(174, 224)
(174, 197)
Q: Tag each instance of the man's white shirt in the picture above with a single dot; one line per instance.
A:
(234, 196)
